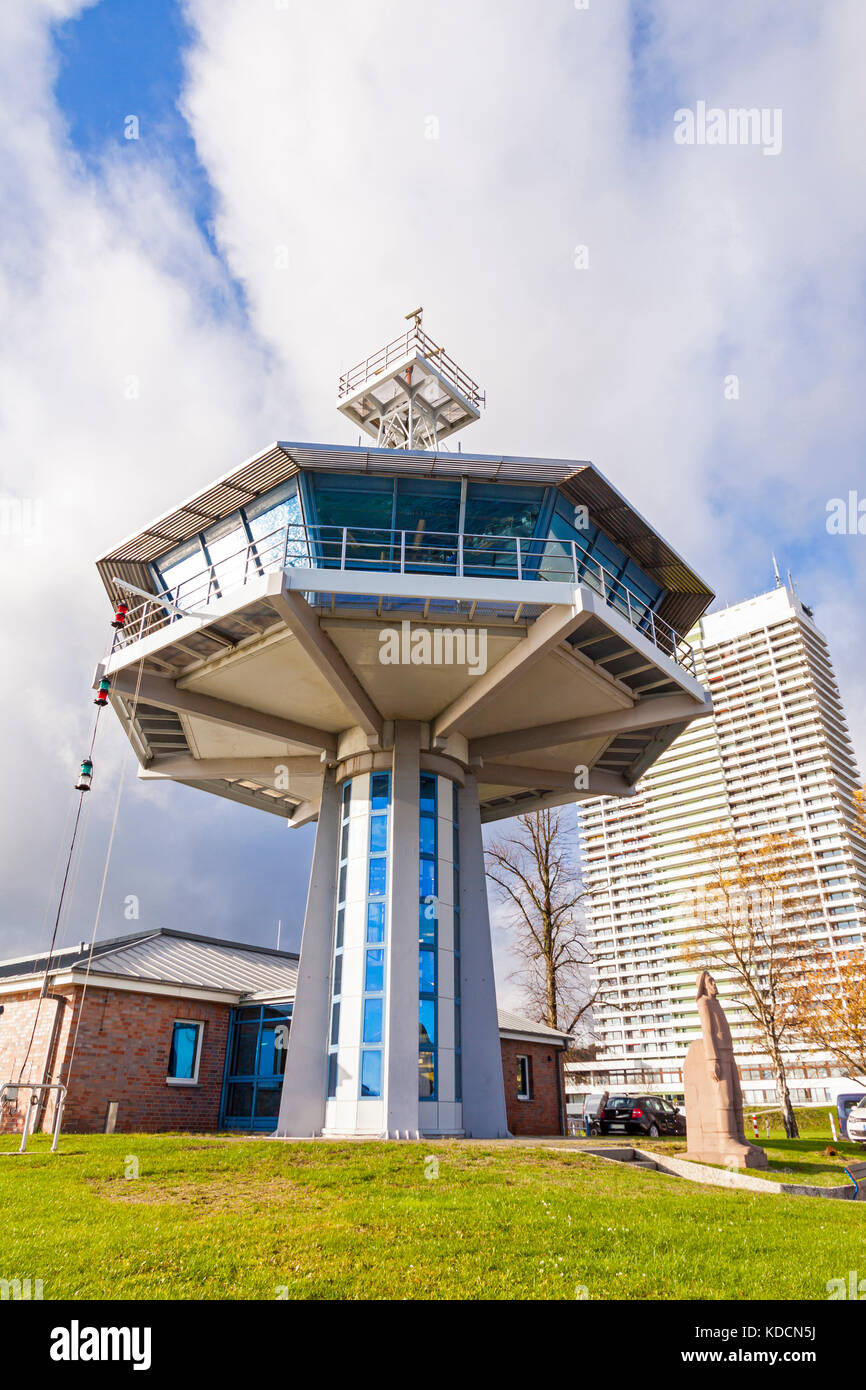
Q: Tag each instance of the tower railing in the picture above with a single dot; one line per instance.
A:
(417, 551)
(414, 338)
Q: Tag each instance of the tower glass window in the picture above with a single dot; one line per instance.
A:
(373, 1003)
(428, 938)
(339, 936)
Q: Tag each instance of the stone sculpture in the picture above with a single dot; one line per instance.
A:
(714, 1099)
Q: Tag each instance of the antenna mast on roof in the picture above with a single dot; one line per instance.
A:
(410, 394)
(778, 576)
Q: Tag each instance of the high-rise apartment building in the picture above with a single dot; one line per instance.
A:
(775, 755)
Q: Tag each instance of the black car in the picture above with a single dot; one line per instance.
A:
(647, 1115)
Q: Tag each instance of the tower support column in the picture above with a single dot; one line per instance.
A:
(302, 1103)
(401, 1067)
(484, 1114)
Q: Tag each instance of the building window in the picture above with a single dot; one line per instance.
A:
(458, 1049)
(263, 536)
(255, 1063)
(524, 1078)
(185, 1052)
(428, 934)
(339, 931)
(373, 1002)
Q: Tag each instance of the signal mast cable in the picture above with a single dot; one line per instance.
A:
(83, 785)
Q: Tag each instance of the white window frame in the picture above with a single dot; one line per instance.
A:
(187, 1080)
(525, 1057)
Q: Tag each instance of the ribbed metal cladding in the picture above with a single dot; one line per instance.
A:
(688, 596)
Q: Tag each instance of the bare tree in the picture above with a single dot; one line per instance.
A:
(831, 1011)
(539, 882)
(749, 927)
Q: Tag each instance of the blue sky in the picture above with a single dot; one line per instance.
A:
(304, 129)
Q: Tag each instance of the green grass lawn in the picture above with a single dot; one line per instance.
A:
(211, 1217)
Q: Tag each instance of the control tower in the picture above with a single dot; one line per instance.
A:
(400, 642)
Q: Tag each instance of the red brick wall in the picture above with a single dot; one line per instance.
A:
(542, 1114)
(121, 1054)
(16, 1027)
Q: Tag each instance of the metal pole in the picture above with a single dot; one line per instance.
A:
(58, 1120)
(23, 1146)
(574, 560)
(653, 628)
(343, 550)
(519, 566)
(402, 552)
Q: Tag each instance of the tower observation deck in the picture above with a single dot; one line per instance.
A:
(400, 643)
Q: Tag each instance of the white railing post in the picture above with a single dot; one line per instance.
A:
(519, 565)
(460, 554)
(574, 560)
(343, 549)
(25, 1129)
(402, 552)
(628, 606)
(655, 640)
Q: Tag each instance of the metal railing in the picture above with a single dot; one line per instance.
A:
(9, 1095)
(380, 551)
(394, 351)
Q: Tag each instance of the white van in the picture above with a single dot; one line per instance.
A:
(857, 1122)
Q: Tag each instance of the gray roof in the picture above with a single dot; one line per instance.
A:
(241, 972)
(516, 1023)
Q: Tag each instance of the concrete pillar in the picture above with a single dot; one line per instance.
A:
(302, 1104)
(484, 1114)
(401, 1046)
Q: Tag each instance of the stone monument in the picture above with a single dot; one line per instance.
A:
(714, 1100)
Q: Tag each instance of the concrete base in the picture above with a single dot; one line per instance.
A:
(731, 1156)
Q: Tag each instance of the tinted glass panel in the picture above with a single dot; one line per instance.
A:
(376, 922)
(426, 971)
(426, 1022)
(267, 1101)
(379, 791)
(371, 1074)
(243, 1061)
(426, 1075)
(502, 509)
(427, 835)
(372, 1021)
(374, 971)
(378, 834)
(378, 877)
(426, 878)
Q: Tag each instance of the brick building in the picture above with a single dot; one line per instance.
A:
(532, 1057)
(171, 1031)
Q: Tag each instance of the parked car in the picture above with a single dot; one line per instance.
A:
(857, 1122)
(648, 1115)
(593, 1109)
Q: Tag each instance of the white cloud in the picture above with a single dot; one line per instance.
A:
(104, 278)
(312, 124)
